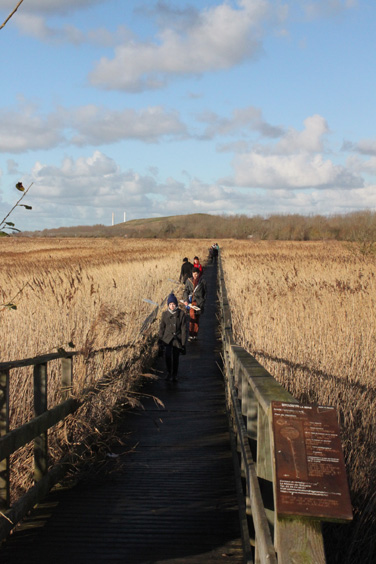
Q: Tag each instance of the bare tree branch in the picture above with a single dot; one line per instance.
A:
(10, 15)
(2, 222)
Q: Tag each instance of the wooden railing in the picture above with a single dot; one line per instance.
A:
(44, 419)
(250, 390)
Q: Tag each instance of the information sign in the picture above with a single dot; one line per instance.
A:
(310, 471)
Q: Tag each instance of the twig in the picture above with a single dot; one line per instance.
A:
(12, 14)
(16, 204)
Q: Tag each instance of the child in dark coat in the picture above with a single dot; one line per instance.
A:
(173, 336)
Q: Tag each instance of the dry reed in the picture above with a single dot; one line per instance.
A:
(89, 292)
(307, 312)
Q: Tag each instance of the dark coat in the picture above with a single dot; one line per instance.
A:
(186, 271)
(173, 328)
(198, 293)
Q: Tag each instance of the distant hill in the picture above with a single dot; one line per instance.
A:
(356, 226)
(199, 225)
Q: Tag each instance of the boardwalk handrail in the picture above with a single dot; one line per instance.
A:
(44, 419)
(250, 390)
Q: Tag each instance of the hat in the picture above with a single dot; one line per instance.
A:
(172, 299)
(185, 259)
(195, 269)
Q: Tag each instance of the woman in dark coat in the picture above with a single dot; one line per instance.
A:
(194, 294)
(186, 270)
(173, 336)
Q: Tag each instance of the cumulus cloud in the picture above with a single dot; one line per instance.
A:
(291, 171)
(364, 146)
(309, 140)
(295, 161)
(95, 125)
(241, 120)
(37, 26)
(95, 180)
(33, 19)
(23, 128)
(218, 38)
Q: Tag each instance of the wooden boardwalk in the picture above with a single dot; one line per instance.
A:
(174, 498)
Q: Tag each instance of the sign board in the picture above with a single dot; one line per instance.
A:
(310, 470)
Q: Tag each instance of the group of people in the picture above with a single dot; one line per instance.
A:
(175, 329)
(213, 252)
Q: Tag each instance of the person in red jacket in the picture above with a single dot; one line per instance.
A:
(196, 264)
(194, 295)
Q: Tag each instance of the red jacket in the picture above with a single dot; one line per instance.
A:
(198, 265)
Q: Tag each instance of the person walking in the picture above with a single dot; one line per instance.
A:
(186, 270)
(194, 295)
(196, 264)
(172, 336)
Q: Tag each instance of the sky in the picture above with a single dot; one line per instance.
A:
(155, 108)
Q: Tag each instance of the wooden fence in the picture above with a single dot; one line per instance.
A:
(44, 419)
(250, 389)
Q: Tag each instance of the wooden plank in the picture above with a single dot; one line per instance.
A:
(264, 542)
(299, 541)
(43, 359)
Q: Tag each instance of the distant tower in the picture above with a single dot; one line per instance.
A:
(113, 218)
(125, 217)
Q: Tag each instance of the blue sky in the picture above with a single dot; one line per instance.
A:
(158, 108)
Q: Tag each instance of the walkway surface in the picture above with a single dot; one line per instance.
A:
(174, 498)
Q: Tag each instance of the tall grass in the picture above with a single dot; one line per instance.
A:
(307, 313)
(89, 292)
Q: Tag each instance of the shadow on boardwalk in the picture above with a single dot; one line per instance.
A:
(174, 500)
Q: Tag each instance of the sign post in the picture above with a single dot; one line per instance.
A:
(309, 465)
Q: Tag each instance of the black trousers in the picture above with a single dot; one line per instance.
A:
(172, 360)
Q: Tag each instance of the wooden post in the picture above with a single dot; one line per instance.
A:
(4, 429)
(66, 377)
(40, 406)
(295, 539)
(264, 466)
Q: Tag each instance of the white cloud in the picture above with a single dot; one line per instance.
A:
(364, 146)
(95, 125)
(294, 162)
(309, 140)
(242, 119)
(291, 171)
(219, 38)
(22, 129)
(95, 181)
(37, 26)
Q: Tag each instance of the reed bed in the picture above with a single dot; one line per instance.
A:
(89, 293)
(307, 312)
